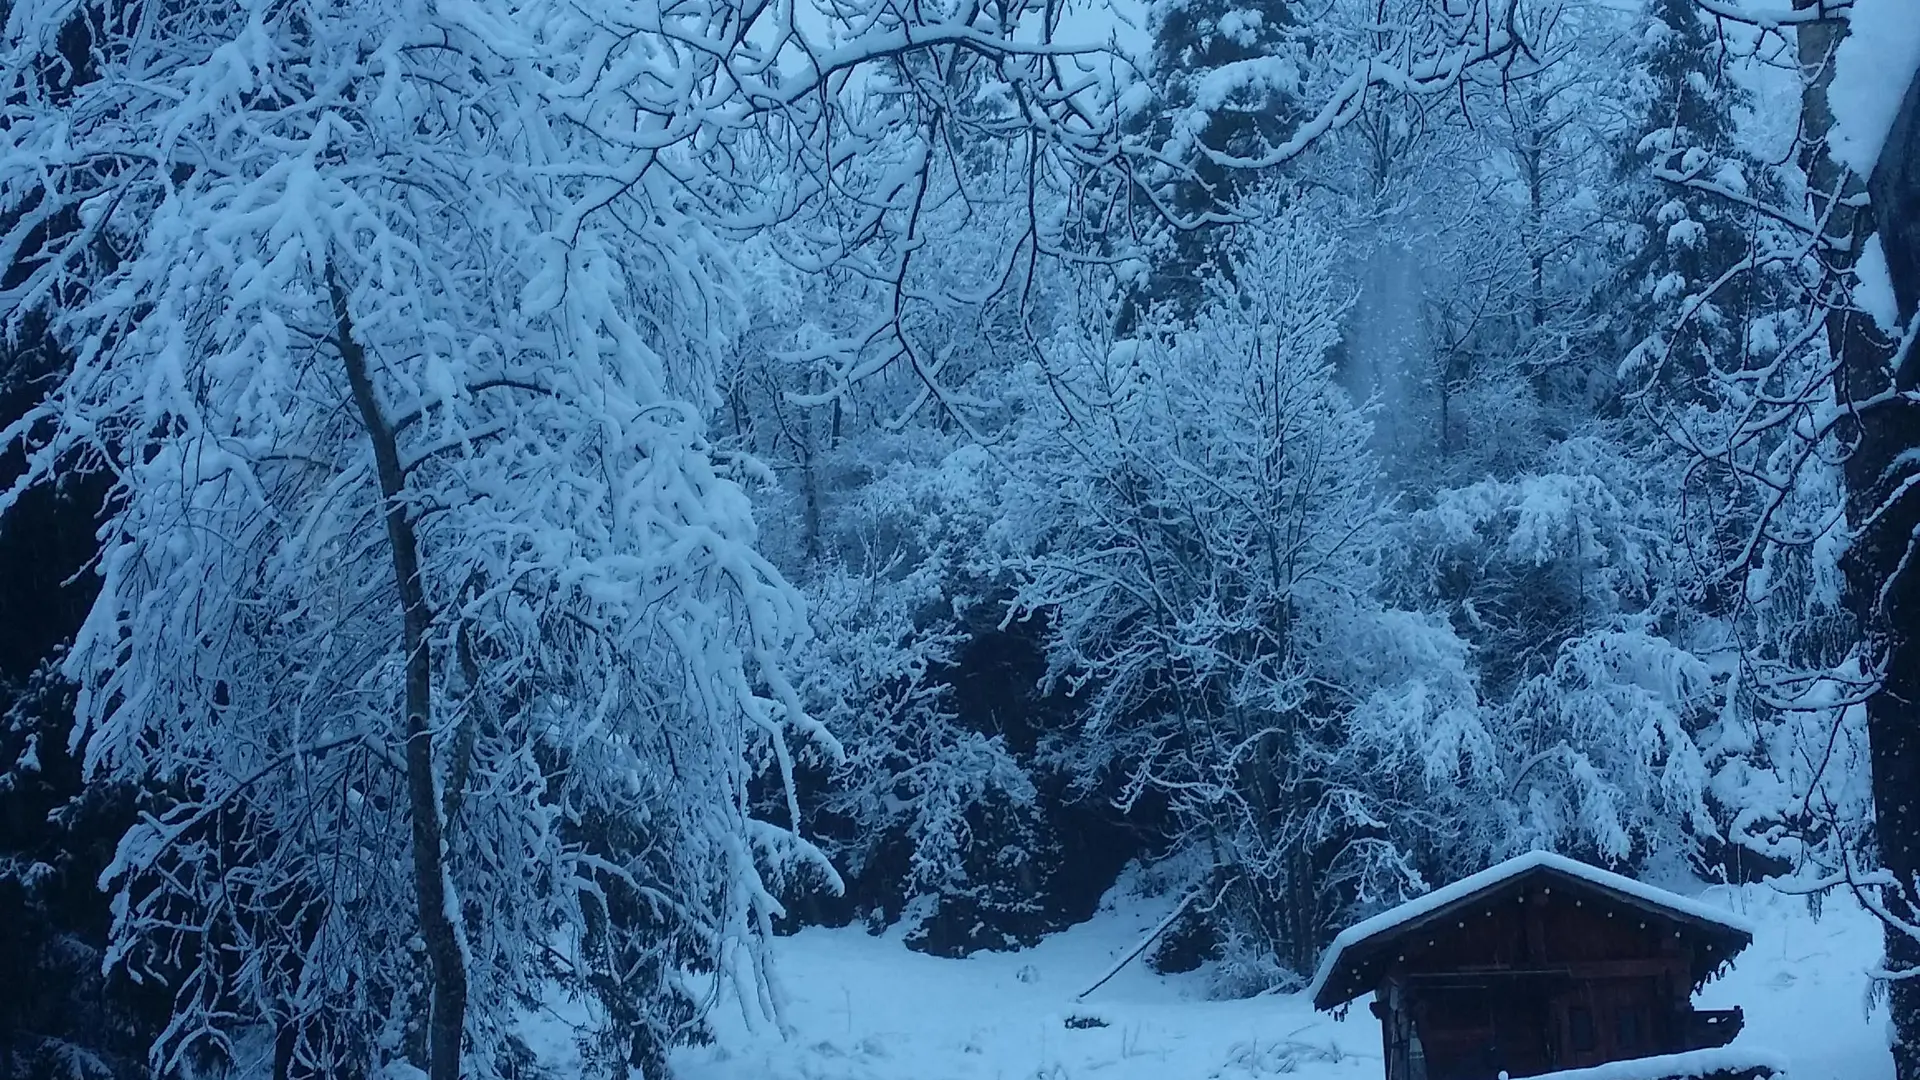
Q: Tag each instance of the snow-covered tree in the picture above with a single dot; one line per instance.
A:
(931, 815)
(1570, 586)
(1659, 319)
(422, 600)
(1223, 76)
(1204, 522)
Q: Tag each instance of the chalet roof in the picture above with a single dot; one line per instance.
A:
(1354, 962)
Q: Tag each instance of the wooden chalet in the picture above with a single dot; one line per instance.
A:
(1538, 965)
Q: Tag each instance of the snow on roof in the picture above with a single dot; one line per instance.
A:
(1394, 918)
(1693, 1063)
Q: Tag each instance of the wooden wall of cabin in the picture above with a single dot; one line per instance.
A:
(1523, 1026)
(1476, 1032)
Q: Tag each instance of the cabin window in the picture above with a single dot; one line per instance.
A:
(1580, 1029)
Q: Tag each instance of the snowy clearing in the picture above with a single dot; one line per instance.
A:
(865, 1008)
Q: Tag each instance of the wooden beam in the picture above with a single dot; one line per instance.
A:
(1536, 904)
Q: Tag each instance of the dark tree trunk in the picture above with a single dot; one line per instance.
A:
(1883, 588)
(448, 970)
(1884, 560)
(1895, 188)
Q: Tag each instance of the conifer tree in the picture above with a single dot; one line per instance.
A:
(1657, 319)
(1227, 77)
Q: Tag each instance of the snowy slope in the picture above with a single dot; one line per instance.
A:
(865, 1008)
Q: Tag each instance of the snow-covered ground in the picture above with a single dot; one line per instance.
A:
(865, 1008)
(1804, 986)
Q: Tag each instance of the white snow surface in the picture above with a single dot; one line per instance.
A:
(1873, 288)
(1500, 872)
(1694, 1063)
(866, 1008)
(1872, 67)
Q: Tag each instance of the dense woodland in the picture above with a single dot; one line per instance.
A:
(516, 499)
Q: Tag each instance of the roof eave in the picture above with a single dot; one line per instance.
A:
(1536, 864)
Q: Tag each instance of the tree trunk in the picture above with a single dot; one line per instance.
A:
(438, 928)
(1536, 226)
(1886, 557)
(809, 489)
(1895, 188)
(1883, 591)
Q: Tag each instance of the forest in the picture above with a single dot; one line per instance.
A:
(515, 499)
